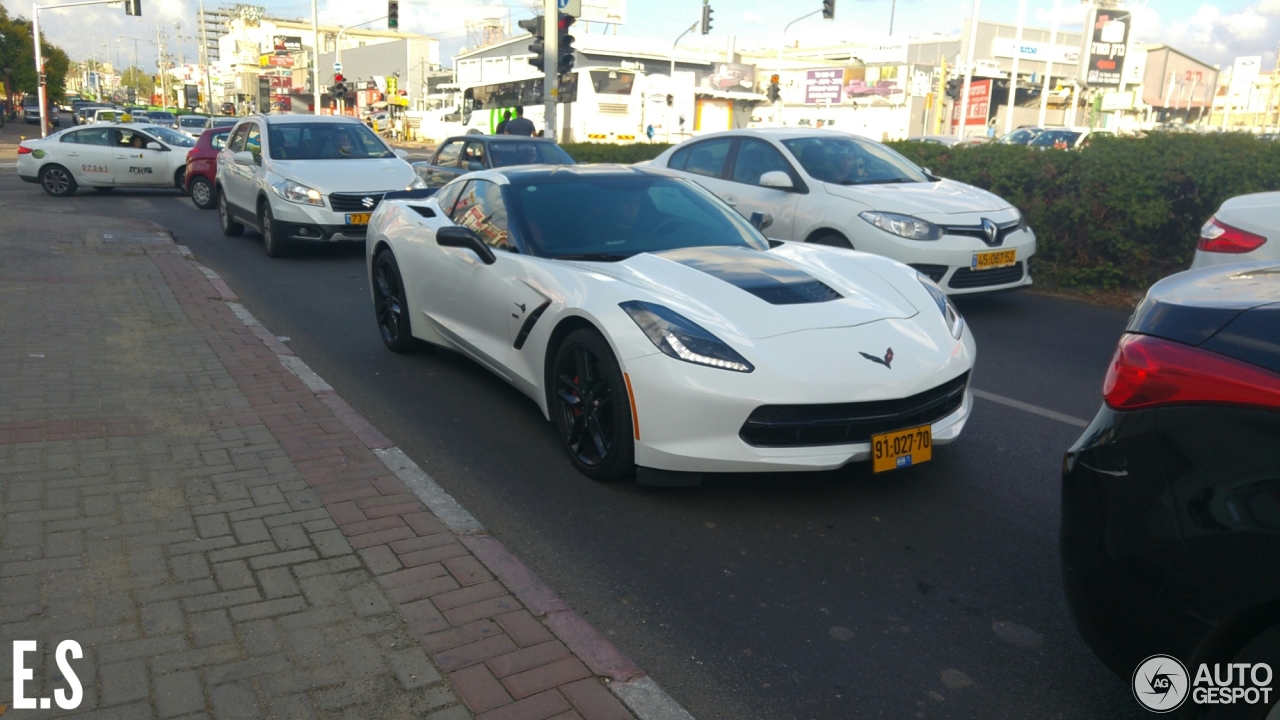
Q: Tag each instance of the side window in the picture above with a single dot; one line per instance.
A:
(448, 195)
(219, 141)
(707, 158)
(481, 208)
(94, 136)
(236, 144)
(465, 198)
(473, 156)
(678, 159)
(755, 158)
(448, 155)
(253, 142)
(128, 138)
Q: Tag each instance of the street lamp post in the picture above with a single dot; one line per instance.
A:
(671, 85)
(42, 92)
(337, 48)
(777, 111)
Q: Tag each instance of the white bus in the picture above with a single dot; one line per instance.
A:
(604, 106)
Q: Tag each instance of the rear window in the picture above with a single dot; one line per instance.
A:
(505, 154)
(612, 82)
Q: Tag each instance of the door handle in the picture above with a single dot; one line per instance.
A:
(73, 154)
(731, 201)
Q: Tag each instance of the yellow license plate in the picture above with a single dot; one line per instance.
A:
(901, 448)
(358, 218)
(992, 260)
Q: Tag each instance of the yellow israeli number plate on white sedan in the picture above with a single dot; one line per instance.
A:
(901, 448)
(994, 259)
(358, 218)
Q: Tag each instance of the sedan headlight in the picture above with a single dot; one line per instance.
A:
(1022, 221)
(298, 193)
(955, 323)
(903, 225)
(683, 339)
(417, 184)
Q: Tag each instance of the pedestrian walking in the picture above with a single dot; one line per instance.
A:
(502, 124)
(520, 125)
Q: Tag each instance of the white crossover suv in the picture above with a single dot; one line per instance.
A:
(305, 178)
(837, 189)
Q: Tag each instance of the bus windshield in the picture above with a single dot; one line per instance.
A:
(612, 82)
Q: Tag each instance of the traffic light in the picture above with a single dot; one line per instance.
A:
(828, 9)
(565, 45)
(133, 7)
(393, 14)
(954, 88)
(534, 26)
(339, 78)
(706, 18)
(774, 93)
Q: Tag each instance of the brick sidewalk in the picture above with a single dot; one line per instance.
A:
(225, 541)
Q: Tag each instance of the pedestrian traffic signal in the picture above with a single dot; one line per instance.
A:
(565, 45)
(706, 18)
(393, 14)
(828, 9)
(133, 7)
(774, 92)
(534, 26)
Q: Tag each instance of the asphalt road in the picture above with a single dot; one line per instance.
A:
(932, 592)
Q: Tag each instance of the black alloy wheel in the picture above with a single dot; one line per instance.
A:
(833, 239)
(57, 181)
(230, 227)
(275, 245)
(588, 398)
(202, 193)
(390, 304)
(180, 177)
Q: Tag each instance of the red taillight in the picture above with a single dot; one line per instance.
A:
(1149, 372)
(1217, 236)
(24, 150)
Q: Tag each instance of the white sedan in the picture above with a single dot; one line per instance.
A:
(662, 333)
(1245, 228)
(836, 189)
(105, 155)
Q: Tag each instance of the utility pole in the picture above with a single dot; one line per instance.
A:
(204, 59)
(42, 93)
(551, 67)
(1048, 66)
(671, 86)
(968, 71)
(315, 60)
(1013, 75)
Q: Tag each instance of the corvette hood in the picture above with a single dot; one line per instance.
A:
(330, 176)
(945, 197)
(756, 294)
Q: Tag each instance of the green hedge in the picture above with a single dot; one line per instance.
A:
(605, 153)
(1120, 213)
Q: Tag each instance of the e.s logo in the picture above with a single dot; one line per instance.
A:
(21, 674)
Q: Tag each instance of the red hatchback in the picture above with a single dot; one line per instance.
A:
(202, 166)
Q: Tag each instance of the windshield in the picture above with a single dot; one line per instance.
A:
(1056, 138)
(504, 154)
(170, 136)
(613, 218)
(612, 82)
(325, 141)
(157, 115)
(1021, 136)
(225, 122)
(193, 121)
(845, 160)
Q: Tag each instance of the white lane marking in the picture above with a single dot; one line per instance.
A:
(649, 701)
(314, 382)
(9, 166)
(1033, 409)
(453, 515)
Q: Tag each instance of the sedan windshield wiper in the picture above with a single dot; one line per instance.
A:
(595, 257)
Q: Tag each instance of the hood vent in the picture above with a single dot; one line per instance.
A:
(765, 276)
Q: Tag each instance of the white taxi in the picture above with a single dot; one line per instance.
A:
(104, 156)
(837, 189)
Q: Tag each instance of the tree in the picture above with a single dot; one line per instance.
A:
(18, 63)
(140, 80)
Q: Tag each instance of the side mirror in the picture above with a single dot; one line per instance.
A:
(929, 174)
(244, 157)
(776, 179)
(462, 237)
(154, 146)
(402, 154)
(761, 220)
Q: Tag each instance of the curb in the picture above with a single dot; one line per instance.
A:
(637, 691)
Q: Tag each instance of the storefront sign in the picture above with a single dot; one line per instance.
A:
(1106, 40)
(287, 43)
(979, 104)
(824, 86)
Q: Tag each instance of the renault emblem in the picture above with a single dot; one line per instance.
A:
(990, 230)
(370, 202)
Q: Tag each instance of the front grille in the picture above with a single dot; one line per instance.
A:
(965, 278)
(934, 272)
(614, 108)
(975, 231)
(845, 423)
(354, 202)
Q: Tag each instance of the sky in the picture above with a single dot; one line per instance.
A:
(1214, 33)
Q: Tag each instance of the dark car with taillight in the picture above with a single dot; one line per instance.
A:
(202, 166)
(1171, 498)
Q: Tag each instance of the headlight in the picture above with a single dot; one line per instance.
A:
(683, 339)
(298, 193)
(903, 225)
(1022, 221)
(955, 323)
(417, 184)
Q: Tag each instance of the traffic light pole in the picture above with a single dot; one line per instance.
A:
(671, 86)
(551, 67)
(42, 92)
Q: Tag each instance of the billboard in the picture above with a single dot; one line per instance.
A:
(1106, 42)
(1028, 50)
(729, 77)
(1243, 73)
(979, 104)
(286, 43)
(824, 86)
(604, 11)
